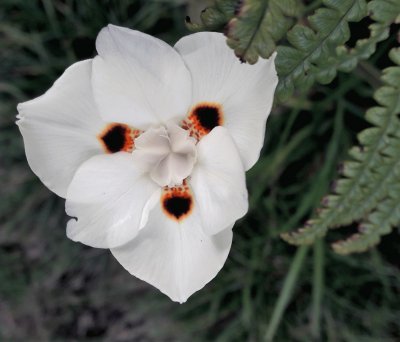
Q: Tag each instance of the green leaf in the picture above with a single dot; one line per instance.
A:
(387, 11)
(378, 223)
(252, 27)
(369, 188)
(258, 25)
(316, 48)
(312, 52)
(214, 18)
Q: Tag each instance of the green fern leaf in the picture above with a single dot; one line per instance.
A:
(378, 223)
(347, 59)
(387, 11)
(312, 49)
(214, 18)
(369, 179)
(252, 27)
(258, 25)
(384, 13)
(316, 51)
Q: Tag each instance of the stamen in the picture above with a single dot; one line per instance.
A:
(177, 202)
(118, 137)
(203, 118)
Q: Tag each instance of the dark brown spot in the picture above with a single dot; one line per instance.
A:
(114, 139)
(208, 116)
(177, 202)
(117, 137)
(177, 206)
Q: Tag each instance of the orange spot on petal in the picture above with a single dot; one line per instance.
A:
(202, 118)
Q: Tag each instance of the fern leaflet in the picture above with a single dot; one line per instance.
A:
(370, 183)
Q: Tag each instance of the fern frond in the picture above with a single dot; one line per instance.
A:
(258, 25)
(316, 49)
(384, 13)
(347, 59)
(309, 58)
(378, 223)
(318, 52)
(215, 17)
(377, 178)
(366, 188)
(252, 27)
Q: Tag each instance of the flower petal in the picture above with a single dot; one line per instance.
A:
(218, 181)
(60, 128)
(175, 256)
(110, 199)
(245, 91)
(138, 79)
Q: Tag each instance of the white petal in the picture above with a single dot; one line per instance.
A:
(60, 128)
(109, 198)
(180, 140)
(168, 155)
(138, 79)
(151, 147)
(245, 91)
(218, 181)
(177, 258)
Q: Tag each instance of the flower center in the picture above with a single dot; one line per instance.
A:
(167, 153)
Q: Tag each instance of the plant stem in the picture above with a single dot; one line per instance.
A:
(369, 73)
(318, 286)
(286, 292)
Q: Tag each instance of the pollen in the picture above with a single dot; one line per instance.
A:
(118, 137)
(202, 118)
(177, 202)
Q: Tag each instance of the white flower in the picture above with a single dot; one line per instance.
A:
(149, 145)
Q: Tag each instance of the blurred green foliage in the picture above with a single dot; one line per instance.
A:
(52, 289)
